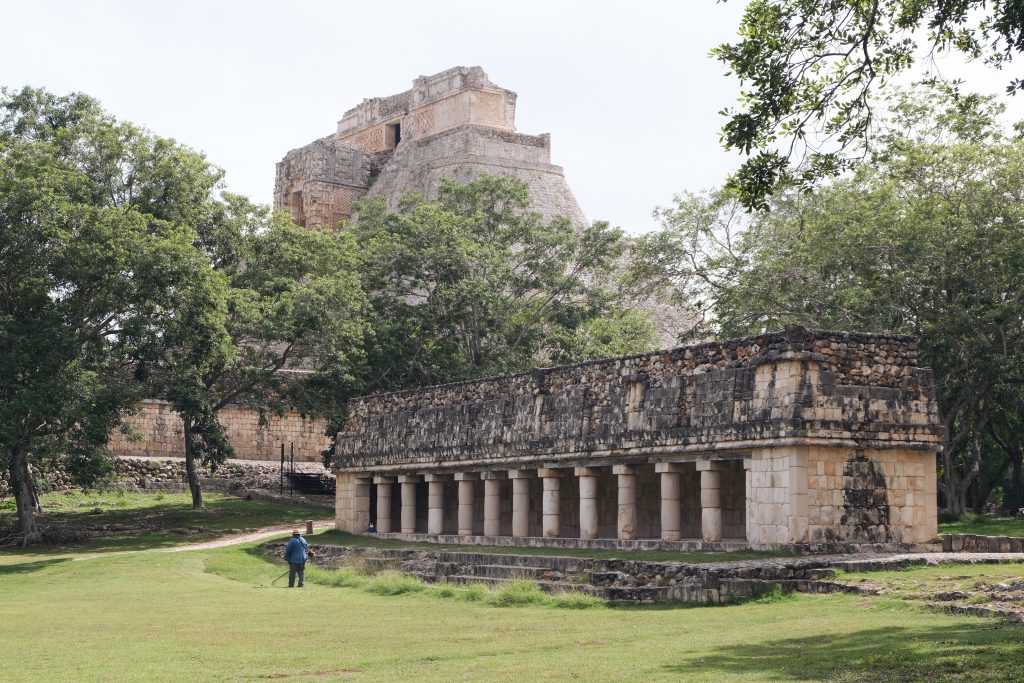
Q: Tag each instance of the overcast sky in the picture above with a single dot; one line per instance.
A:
(625, 88)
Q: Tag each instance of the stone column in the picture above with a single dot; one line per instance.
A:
(352, 502)
(550, 502)
(465, 480)
(521, 501)
(671, 507)
(409, 482)
(627, 501)
(588, 501)
(710, 500)
(492, 502)
(435, 503)
(383, 503)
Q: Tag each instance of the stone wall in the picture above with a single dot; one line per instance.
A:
(469, 152)
(434, 104)
(318, 183)
(813, 387)
(167, 475)
(162, 434)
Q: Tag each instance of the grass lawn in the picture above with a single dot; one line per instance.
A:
(147, 520)
(921, 583)
(74, 614)
(342, 538)
(984, 525)
(212, 615)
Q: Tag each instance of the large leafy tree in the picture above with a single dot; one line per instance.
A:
(809, 69)
(927, 239)
(280, 326)
(476, 284)
(96, 255)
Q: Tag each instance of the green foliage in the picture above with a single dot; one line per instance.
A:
(281, 325)
(927, 239)
(96, 226)
(394, 583)
(475, 284)
(575, 600)
(808, 69)
(517, 594)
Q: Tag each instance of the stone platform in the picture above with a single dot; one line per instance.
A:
(643, 581)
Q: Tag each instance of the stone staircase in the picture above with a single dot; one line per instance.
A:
(617, 581)
(639, 581)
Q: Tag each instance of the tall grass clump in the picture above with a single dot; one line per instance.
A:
(575, 600)
(771, 597)
(345, 577)
(517, 594)
(394, 583)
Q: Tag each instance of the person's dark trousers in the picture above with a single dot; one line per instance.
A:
(298, 568)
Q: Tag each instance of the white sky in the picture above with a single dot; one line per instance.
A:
(625, 88)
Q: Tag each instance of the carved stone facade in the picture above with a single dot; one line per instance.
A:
(805, 438)
(163, 436)
(455, 124)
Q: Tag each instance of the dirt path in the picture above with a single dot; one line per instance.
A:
(265, 532)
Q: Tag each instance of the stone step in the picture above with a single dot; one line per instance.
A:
(563, 564)
(546, 586)
(615, 594)
(504, 571)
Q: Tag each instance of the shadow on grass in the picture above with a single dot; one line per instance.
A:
(967, 652)
(30, 567)
(153, 525)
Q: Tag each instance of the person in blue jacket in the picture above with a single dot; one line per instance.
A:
(295, 554)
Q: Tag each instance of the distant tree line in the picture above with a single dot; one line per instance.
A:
(925, 237)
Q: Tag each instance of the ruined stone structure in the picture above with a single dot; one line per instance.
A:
(163, 435)
(806, 438)
(455, 124)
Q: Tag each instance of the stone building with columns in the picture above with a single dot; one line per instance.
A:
(802, 438)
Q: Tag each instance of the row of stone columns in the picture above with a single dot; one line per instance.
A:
(671, 506)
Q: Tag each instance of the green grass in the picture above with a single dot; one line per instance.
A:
(984, 525)
(212, 615)
(390, 582)
(360, 541)
(136, 521)
(921, 583)
(217, 615)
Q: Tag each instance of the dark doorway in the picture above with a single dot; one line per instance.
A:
(393, 135)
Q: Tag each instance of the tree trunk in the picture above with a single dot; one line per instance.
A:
(1012, 499)
(954, 485)
(24, 496)
(190, 466)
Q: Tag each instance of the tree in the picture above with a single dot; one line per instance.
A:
(475, 284)
(926, 239)
(809, 69)
(95, 256)
(281, 326)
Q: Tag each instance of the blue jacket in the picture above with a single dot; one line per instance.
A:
(296, 549)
